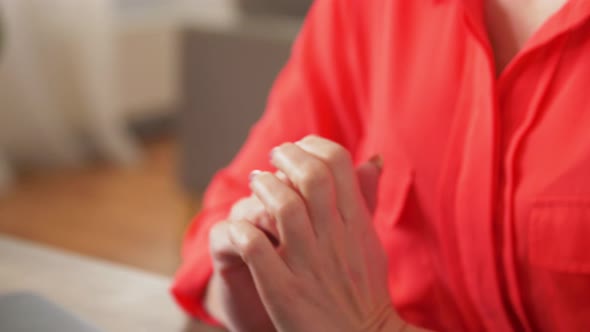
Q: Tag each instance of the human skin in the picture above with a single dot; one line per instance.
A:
(328, 251)
(231, 287)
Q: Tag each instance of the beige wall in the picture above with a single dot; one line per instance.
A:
(148, 68)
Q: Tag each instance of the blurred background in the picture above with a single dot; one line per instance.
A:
(114, 115)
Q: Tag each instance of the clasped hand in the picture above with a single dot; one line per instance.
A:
(327, 270)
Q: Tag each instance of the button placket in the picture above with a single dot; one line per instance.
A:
(510, 169)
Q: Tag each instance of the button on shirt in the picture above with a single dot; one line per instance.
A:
(484, 200)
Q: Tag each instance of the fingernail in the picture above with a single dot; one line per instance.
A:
(377, 160)
(253, 174)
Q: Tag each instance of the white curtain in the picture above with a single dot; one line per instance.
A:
(58, 92)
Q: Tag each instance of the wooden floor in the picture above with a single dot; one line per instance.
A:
(134, 215)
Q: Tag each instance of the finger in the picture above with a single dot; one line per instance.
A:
(349, 197)
(253, 211)
(313, 181)
(225, 254)
(290, 213)
(283, 177)
(268, 269)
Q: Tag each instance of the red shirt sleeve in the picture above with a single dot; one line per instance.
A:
(319, 91)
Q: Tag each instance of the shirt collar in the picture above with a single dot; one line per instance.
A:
(571, 16)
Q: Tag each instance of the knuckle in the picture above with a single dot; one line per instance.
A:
(248, 209)
(337, 155)
(283, 148)
(311, 138)
(333, 153)
(217, 233)
(241, 207)
(238, 208)
(289, 208)
(314, 175)
(216, 230)
(253, 247)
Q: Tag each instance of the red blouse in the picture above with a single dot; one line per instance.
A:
(484, 201)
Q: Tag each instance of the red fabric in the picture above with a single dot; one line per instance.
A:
(484, 201)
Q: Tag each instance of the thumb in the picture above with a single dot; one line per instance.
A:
(368, 175)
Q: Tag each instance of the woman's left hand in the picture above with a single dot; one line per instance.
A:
(329, 272)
